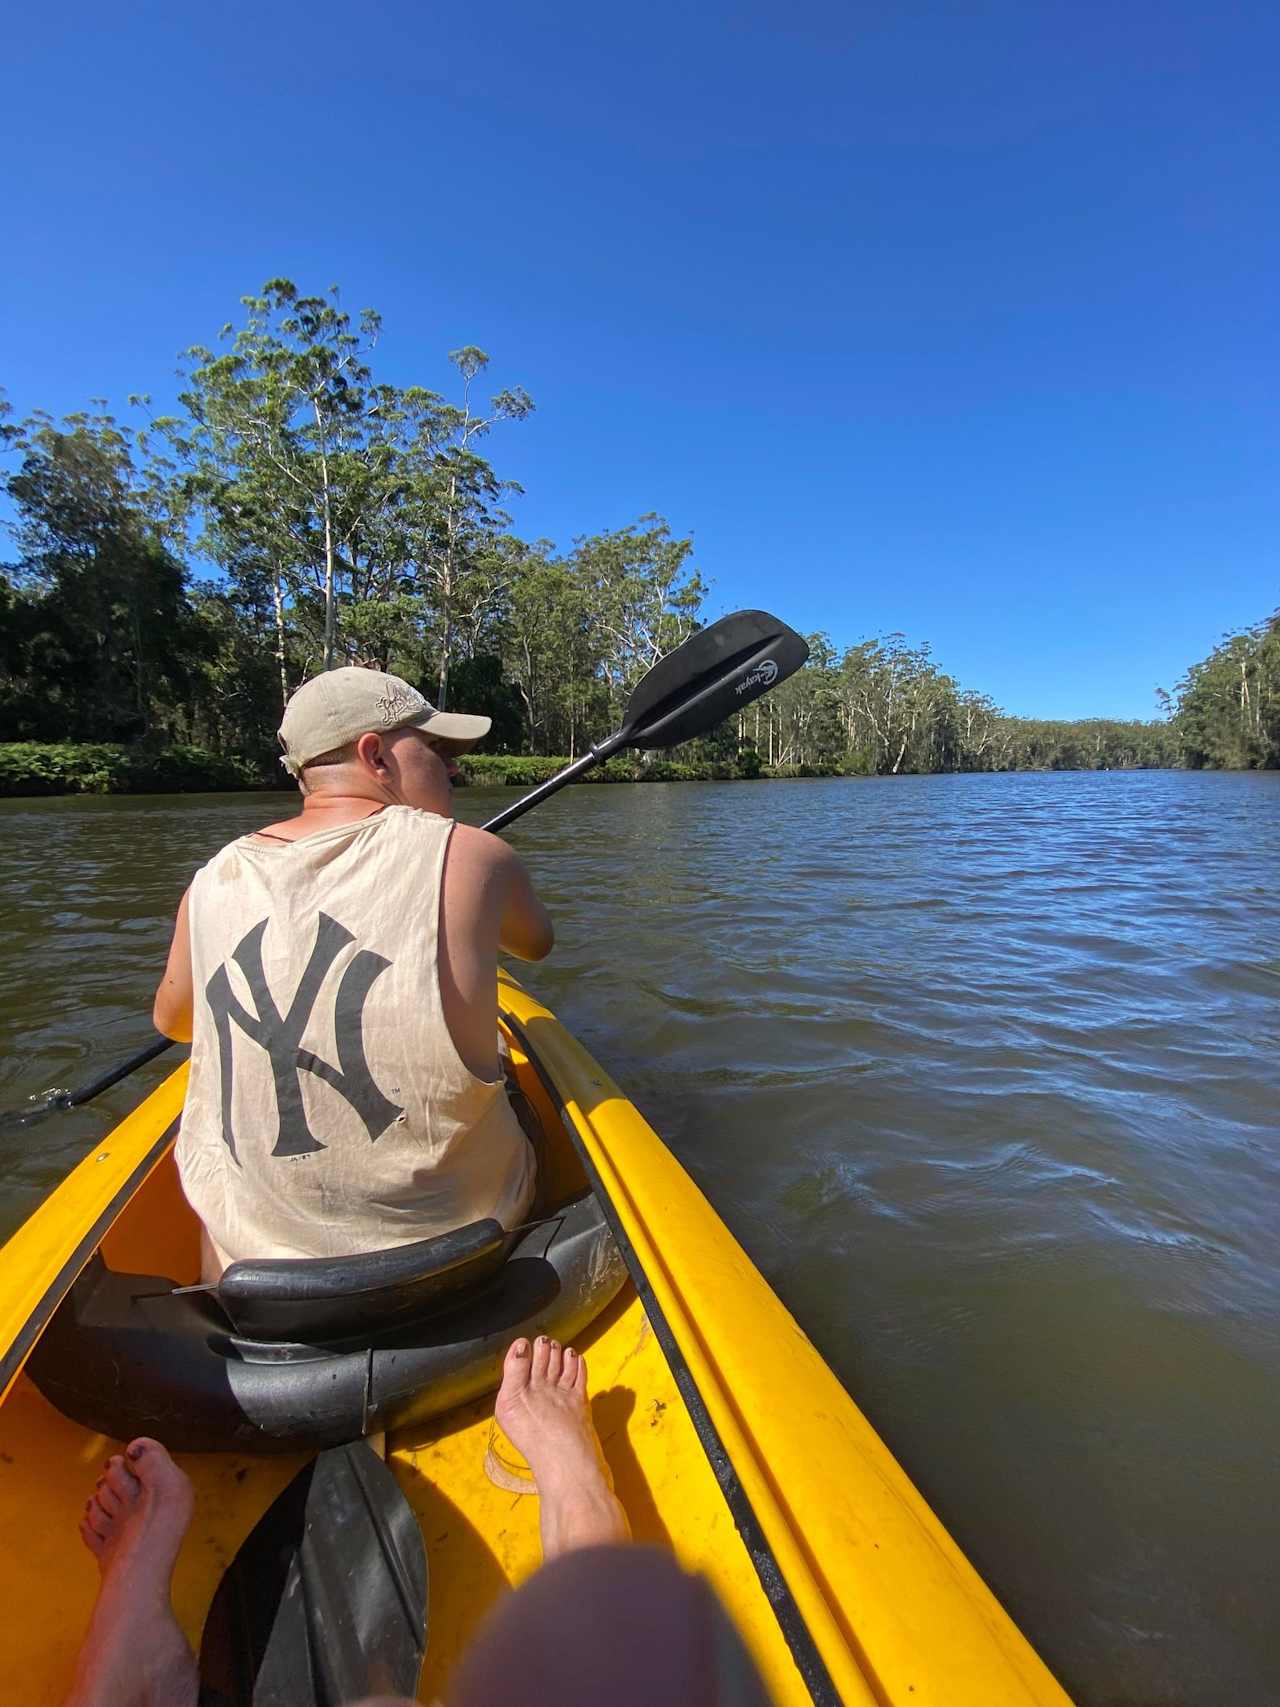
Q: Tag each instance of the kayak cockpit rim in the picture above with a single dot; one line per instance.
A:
(20, 1347)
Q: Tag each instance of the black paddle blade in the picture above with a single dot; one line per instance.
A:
(326, 1601)
(711, 676)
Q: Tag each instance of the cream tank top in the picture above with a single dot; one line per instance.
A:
(328, 1110)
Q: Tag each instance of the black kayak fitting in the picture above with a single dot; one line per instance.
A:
(282, 1356)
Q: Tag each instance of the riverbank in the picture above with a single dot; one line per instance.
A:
(31, 768)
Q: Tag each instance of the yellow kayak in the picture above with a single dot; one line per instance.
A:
(729, 1439)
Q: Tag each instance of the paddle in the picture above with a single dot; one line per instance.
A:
(715, 673)
(73, 1099)
(326, 1601)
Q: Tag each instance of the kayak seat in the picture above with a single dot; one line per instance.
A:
(127, 1353)
(319, 1299)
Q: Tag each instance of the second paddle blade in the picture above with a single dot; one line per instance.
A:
(326, 1601)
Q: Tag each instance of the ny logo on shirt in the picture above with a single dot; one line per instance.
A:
(281, 1036)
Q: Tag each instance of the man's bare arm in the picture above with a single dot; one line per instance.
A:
(526, 930)
(175, 998)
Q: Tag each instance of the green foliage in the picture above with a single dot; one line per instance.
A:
(98, 632)
(492, 769)
(1227, 709)
(478, 684)
(515, 771)
(103, 767)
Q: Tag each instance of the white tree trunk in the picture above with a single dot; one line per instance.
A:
(277, 597)
(330, 606)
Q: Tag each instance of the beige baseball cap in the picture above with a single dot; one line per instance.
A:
(334, 708)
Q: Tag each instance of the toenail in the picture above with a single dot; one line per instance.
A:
(521, 1348)
(135, 1451)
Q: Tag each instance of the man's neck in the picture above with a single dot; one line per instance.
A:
(339, 808)
(321, 812)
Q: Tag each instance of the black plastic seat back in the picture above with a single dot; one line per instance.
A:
(325, 1299)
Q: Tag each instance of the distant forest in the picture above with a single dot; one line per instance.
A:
(172, 585)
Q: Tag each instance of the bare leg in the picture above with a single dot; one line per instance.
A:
(542, 1408)
(134, 1654)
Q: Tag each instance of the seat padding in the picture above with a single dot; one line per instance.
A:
(328, 1298)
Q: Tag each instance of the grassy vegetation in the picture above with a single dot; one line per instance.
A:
(525, 771)
(110, 767)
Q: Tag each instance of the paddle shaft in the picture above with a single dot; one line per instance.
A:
(95, 1087)
(554, 784)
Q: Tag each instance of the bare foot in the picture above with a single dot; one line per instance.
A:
(134, 1654)
(542, 1409)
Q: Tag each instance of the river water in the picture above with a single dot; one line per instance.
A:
(983, 1072)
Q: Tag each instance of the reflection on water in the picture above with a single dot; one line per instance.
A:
(983, 1072)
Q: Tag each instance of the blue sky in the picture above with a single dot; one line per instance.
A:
(951, 320)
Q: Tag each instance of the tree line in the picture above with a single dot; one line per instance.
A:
(173, 583)
(1226, 709)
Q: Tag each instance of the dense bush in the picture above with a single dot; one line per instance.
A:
(488, 769)
(107, 767)
(517, 771)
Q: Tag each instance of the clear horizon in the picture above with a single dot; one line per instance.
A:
(953, 324)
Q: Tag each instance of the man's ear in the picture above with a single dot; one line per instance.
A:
(369, 751)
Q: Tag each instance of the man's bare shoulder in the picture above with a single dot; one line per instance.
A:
(482, 848)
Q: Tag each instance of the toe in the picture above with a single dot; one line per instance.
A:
(569, 1372)
(541, 1357)
(145, 1454)
(156, 1471)
(517, 1367)
(108, 1499)
(580, 1373)
(555, 1362)
(98, 1520)
(122, 1481)
(92, 1540)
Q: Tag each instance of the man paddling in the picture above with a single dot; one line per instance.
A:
(336, 974)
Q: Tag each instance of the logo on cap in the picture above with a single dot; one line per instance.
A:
(396, 703)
